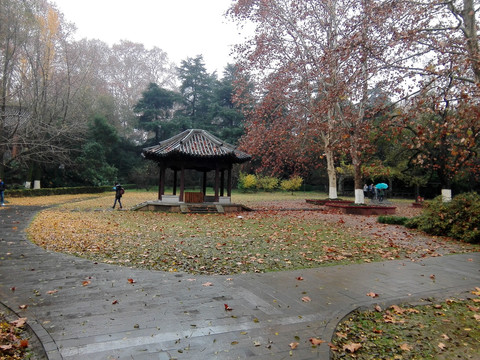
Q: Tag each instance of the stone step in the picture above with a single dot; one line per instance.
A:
(203, 209)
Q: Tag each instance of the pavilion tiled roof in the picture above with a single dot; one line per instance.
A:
(195, 143)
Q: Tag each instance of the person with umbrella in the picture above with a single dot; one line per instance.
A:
(381, 187)
(371, 191)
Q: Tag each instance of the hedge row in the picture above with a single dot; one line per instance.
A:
(459, 218)
(59, 191)
(251, 182)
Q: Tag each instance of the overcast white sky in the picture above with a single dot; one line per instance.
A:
(181, 28)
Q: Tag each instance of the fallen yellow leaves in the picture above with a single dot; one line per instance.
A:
(53, 199)
(175, 242)
(352, 347)
(473, 308)
(448, 324)
(442, 346)
(12, 343)
(20, 322)
(397, 309)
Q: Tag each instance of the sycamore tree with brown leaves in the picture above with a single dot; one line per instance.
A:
(275, 132)
(322, 58)
(440, 126)
(285, 58)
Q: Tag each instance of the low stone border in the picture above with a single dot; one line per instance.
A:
(352, 209)
(327, 201)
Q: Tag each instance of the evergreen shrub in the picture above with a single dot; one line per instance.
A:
(392, 220)
(61, 191)
(459, 218)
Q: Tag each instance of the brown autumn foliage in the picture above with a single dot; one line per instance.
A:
(320, 84)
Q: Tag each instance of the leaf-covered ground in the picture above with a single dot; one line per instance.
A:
(448, 329)
(13, 341)
(269, 239)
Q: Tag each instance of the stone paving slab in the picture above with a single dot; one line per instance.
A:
(174, 316)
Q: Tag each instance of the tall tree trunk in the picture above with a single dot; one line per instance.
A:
(2, 137)
(358, 123)
(470, 33)
(332, 175)
(357, 173)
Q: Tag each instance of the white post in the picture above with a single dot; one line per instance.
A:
(446, 195)
(332, 192)
(28, 184)
(359, 196)
(36, 184)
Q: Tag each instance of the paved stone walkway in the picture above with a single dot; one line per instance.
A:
(84, 310)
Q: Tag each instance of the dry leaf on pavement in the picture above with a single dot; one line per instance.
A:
(316, 341)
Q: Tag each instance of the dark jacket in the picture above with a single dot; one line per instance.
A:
(118, 191)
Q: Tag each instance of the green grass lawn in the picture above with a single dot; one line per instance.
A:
(256, 241)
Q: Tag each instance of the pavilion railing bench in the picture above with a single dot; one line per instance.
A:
(193, 197)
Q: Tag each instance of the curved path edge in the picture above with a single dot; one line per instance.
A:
(84, 310)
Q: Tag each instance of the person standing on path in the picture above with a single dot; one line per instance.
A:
(118, 195)
(2, 191)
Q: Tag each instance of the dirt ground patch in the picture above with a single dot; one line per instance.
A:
(368, 226)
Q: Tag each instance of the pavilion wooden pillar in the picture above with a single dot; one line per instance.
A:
(222, 182)
(229, 181)
(175, 182)
(161, 186)
(216, 182)
(182, 183)
(204, 184)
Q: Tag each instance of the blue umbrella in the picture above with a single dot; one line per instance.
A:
(381, 186)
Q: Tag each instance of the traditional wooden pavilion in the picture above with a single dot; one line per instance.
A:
(201, 151)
